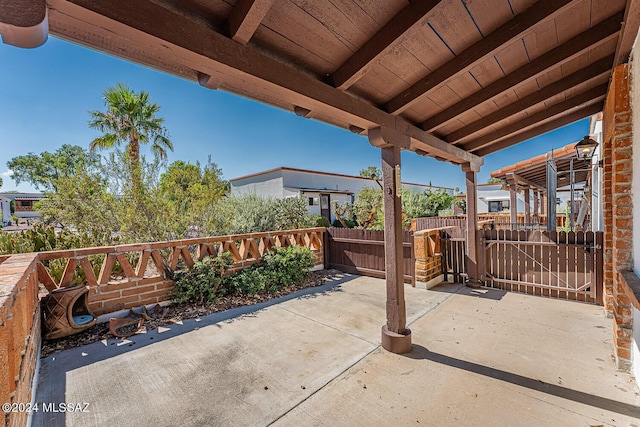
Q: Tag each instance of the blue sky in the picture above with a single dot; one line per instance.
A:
(47, 92)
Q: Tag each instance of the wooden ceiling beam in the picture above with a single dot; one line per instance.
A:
(630, 24)
(512, 29)
(364, 58)
(246, 17)
(23, 23)
(237, 67)
(523, 181)
(596, 36)
(591, 96)
(542, 129)
(592, 71)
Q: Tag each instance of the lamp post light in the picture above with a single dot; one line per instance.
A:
(584, 151)
(585, 148)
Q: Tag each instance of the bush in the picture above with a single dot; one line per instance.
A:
(279, 268)
(204, 282)
(348, 222)
(316, 221)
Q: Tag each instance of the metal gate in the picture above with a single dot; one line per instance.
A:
(566, 265)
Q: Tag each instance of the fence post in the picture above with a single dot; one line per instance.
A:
(412, 271)
(326, 249)
(481, 256)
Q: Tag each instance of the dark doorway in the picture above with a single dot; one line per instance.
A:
(325, 206)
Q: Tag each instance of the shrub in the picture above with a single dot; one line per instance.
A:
(316, 221)
(204, 282)
(279, 267)
(348, 222)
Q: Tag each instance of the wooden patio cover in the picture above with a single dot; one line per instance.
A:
(532, 172)
(461, 78)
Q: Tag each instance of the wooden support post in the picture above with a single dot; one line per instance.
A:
(396, 338)
(543, 204)
(527, 207)
(513, 202)
(536, 211)
(474, 272)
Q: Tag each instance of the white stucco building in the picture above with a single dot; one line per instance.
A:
(5, 211)
(320, 189)
(492, 198)
(24, 203)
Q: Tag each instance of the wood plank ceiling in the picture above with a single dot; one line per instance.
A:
(533, 172)
(462, 78)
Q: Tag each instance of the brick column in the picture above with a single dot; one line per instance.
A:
(618, 173)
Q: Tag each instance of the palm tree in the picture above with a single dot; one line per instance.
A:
(130, 118)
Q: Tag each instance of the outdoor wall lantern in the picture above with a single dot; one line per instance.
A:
(585, 148)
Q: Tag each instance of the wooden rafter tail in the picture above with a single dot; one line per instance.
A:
(87, 268)
(142, 263)
(69, 271)
(186, 256)
(45, 278)
(106, 269)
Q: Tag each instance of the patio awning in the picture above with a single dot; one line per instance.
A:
(461, 79)
(533, 172)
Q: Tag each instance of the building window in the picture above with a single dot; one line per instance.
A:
(313, 201)
(498, 205)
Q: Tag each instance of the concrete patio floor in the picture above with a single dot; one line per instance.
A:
(480, 357)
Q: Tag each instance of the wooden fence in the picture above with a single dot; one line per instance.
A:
(556, 264)
(360, 251)
(498, 221)
(565, 265)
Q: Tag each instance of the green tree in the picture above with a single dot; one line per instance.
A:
(130, 118)
(44, 170)
(495, 181)
(81, 203)
(368, 208)
(192, 193)
(438, 200)
(371, 172)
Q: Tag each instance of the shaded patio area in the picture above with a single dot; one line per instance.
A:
(480, 357)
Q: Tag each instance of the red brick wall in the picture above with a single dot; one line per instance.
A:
(618, 205)
(427, 255)
(19, 331)
(134, 292)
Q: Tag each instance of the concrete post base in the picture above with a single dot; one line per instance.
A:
(396, 343)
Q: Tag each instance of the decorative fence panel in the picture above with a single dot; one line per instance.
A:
(125, 276)
(360, 251)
